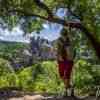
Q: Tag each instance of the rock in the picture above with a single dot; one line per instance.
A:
(35, 97)
(21, 98)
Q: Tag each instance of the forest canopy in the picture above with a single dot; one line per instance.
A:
(83, 15)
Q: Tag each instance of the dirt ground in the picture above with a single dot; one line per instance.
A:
(19, 95)
(40, 97)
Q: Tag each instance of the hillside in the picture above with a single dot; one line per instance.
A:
(11, 46)
(22, 54)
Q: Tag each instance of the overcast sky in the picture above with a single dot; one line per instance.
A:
(50, 32)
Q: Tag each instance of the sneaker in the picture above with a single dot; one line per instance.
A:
(69, 92)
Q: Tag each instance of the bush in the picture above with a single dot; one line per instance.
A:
(44, 77)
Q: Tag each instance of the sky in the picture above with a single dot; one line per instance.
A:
(50, 32)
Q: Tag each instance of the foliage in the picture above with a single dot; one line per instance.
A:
(4, 67)
(44, 77)
(41, 77)
(87, 11)
(31, 17)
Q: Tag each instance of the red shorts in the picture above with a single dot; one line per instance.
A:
(65, 68)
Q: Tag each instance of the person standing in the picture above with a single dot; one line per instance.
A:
(65, 59)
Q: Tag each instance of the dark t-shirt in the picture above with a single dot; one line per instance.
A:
(64, 49)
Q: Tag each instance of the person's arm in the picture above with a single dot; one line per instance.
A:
(59, 47)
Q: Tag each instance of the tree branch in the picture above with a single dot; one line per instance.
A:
(44, 7)
(53, 20)
(95, 43)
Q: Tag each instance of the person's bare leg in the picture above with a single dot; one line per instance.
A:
(67, 86)
(69, 89)
(67, 83)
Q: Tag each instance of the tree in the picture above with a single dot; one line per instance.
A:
(83, 15)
